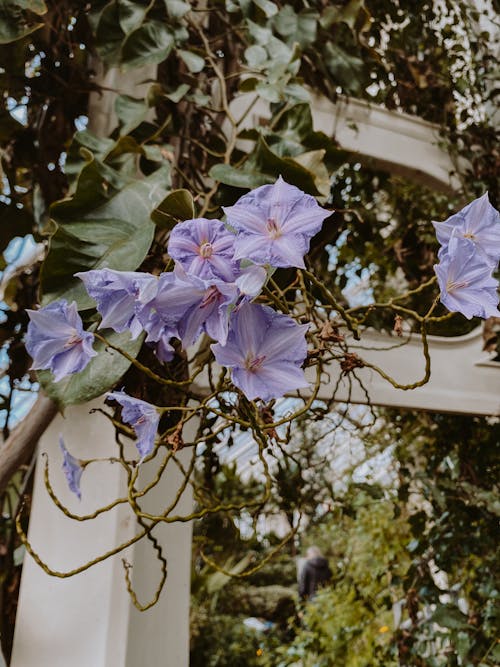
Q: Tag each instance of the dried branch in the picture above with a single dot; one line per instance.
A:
(20, 445)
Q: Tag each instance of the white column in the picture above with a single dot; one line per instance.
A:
(89, 620)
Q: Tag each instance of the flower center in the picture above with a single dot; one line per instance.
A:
(206, 250)
(451, 286)
(73, 340)
(469, 235)
(273, 229)
(253, 364)
(212, 294)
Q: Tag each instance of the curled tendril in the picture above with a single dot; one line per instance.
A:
(214, 409)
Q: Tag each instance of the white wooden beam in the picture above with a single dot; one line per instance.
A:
(89, 620)
(396, 142)
(463, 379)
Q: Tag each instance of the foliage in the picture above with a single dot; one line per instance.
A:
(95, 200)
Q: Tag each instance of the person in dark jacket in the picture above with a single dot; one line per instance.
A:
(314, 574)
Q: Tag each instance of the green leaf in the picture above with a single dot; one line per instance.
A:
(255, 56)
(314, 162)
(449, 616)
(347, 14)
(176, 8)
(101, 374)
(131, 111)
(132, 14)
(248, 85)
(300, 28)
(268, 7)
(263, 166)
(347, 69)
(177, 206)
(193, 61)
(36, 6)
(177, 94)
(15, 24)
(151, 43)
(98, 229)
(109, 35)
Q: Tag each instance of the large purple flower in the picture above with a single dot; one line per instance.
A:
(275, 224)
(142, 417)
(190, 305)
(120, 296)
(72, 469)
(204, 248)
(57, 341)
(479, 222)
(465, 281)
(265, 351)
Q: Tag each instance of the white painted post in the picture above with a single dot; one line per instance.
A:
(89, 620)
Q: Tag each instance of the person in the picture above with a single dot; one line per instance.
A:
(314, 573)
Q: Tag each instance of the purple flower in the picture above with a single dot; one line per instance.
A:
(72, 469)
(120, 296)
(142, 417)
(465, 281)
(204, 248)
(189, 305)
(251, 281)
(275, 224)
(479, 222)
(57, 341)
(265, 351)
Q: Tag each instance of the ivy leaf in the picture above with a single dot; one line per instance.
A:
(255, 56)
(449, 616)
(263, 166)
(151, 43)
(132, 14)
(100, 226)
(16, 24)
(347, 69)
(297, 27)
(176, 8)
(193, 61)
(348, 14)
(102, 372)
(177, 206)
(314, 162)
(36, 6)
(109, 35)
(131, 111)
(269, 8)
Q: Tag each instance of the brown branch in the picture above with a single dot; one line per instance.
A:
(20, 445)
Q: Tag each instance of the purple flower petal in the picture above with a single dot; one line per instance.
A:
(57, 341)
(275, 224)
(265, 351)
(479, 222)
(120, 297)
(190, 305)
(204, 248)
(142, 417)
(72, 469)
(465, 280)
(251, 280)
